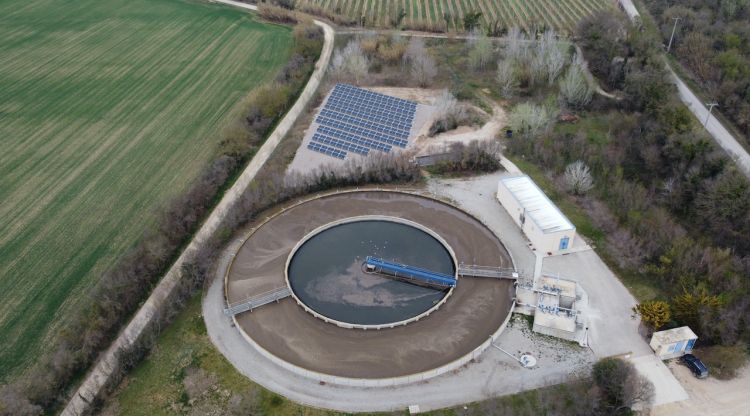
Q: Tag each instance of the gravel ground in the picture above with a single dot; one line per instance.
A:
(709, 397)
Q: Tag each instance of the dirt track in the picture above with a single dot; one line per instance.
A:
(476, 309)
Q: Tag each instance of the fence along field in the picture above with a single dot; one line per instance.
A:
(562, 15)
(108, 108)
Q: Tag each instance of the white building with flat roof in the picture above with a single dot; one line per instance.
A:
(549, 231)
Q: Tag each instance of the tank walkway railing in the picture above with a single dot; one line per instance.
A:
(472, 270)
(257, 301)
(411, 274)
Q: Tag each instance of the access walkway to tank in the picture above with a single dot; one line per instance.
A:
(410, 274)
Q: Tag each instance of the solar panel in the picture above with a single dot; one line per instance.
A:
(354, 139)
(327, 150)
(357, 120)
(375, 126)
(359, 131)
(341, 144)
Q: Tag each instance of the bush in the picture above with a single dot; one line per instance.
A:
(315, 9)
(531, 120)
(578, 178)
(574, 87)
(724, 361)
(277, 14)
(308, 40)
(474, 157)
(654, 313)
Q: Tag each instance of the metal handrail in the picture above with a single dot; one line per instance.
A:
(257, 300)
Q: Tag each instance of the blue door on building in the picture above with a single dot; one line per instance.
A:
(564, 243)
(689, 346)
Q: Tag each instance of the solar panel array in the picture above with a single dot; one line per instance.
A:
(357, 120)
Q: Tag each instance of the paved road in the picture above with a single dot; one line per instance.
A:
(101, 373)
(722, 136)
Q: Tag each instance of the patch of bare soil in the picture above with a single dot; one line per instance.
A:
(420, 95)
(425, 145)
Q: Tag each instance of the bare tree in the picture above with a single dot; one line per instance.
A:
(575, 89)
(446, 104)
(578, 178)
(516, 48)
(507, 78)
(473, 36)
(350, 61)
(472, 157)
(548, 60)
(422, 67)
(449, 113)
(357, 64)
(481, 54)
(338, 66)
(554, 58)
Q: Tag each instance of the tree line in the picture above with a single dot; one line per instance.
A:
(712, 41)
(672, 210)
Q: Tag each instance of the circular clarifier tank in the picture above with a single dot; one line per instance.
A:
(325, 272)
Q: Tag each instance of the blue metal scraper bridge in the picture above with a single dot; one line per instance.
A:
(410, 274)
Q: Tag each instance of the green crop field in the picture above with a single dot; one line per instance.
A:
(108, 108)
(562, 15)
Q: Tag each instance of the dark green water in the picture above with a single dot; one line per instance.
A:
(326, 272)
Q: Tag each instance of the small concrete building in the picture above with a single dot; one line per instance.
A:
(543, 223)
(673, 343)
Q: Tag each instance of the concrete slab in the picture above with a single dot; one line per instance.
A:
(476, 196)
(666, 387)
(612, 330)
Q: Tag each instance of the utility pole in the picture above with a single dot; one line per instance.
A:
(710, 108)
(676, 19)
